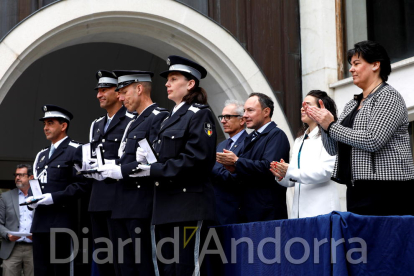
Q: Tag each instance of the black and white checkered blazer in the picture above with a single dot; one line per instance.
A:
(379, 138)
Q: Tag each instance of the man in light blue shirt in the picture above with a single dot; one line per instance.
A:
(16, 250)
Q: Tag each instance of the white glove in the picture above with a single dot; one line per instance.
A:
(46, 200)
(97, 176)
(32, 198)
(86, 165)
(141, 156)
(145, 171)
(111, 171)
(109, 161)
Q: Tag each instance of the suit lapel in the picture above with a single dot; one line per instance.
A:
(15, 200)
(248, 143)
(119, 116)
(175, 117)
(142, 117)
(59, 150)
(236, 147)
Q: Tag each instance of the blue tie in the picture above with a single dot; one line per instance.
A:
(228, 145)
(51, 151)
(107, 124)
(254, 135)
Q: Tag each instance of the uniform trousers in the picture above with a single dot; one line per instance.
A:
(132, 247)
(46, 263)
(21, 258)
(100, 222)
(178, 247)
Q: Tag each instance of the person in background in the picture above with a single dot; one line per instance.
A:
(310, 166)
(261, 199)
(17, 251)
(226, 187)
(370, 138)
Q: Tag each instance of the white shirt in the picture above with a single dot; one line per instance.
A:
(25, 219)
(260, 130)
(315, 192)
(56, 145)
(177, 107)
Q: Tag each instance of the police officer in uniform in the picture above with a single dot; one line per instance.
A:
(61, 188)
(186, 145)
(106, 130)
(131, 215)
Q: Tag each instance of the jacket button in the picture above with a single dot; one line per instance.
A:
(43, 187)
(158, 154)
(184, 190)
(46, 166)
(58, 166)
(93, 140)
(172, 137)
(157, 183)
(135, 137)
(103, 140)
(159, 141)
(138, 186)
(103, 150)
(116, 139)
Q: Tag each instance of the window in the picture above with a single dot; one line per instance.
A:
(391, 23)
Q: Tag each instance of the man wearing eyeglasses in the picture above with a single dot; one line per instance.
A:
(227, 192)
(17, 251)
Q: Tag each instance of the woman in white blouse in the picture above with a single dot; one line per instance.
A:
(310, 166)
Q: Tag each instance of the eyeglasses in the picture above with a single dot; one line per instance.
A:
(20, 174)
(227, 117)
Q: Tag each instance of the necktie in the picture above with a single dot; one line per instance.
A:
(300, 150)
(51, 151)
(107, 124)
(255, 134)
(228, 145)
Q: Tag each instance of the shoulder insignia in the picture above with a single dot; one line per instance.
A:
(156, 112)
(44, 149)
(74, 144)
(161, 109)
(200, 106)
(194, 109)
(100, 118)
(130, 115)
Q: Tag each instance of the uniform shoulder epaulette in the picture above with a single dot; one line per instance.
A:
(44, 149)
(158, 110)
(129, 114)
(99, 118)
(195, 107)
(75, 144)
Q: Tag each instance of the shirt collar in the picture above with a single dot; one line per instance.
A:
(177, 107)
(56, 145)
(237, 136)
(260, 130)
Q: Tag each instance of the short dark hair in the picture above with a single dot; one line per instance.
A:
(372, 51)
(265, 101)
(328, 102)
(28, 167)
(61, 121)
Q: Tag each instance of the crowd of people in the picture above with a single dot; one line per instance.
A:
(194, 183)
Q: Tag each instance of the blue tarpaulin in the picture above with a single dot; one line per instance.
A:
(339, 243)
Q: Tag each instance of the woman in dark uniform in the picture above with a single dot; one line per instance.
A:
(185, 148)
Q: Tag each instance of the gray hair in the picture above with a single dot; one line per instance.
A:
(27, 166)
(239, 106)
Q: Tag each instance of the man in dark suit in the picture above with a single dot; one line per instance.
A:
(131, 215)
(61, 188)
(263, 199)
(16, 251)
(226, 187)
(106, 130)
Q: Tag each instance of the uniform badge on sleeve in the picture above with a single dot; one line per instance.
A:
(208, 129)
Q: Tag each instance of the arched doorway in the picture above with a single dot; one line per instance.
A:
(160, 28)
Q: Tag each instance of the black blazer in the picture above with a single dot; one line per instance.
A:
(263, 198)
(227, 188)
(186, 148)
(134, 196)
(102, 194)
(64, 185)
